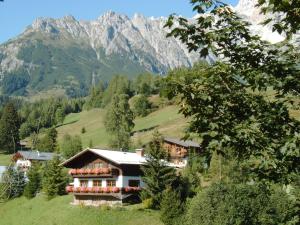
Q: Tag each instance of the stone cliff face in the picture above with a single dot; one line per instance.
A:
(139, 37)
(247, 9)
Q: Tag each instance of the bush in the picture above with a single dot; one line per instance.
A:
(13, 183)
(141, 106)
(54, 179)
(34, 184)
(148, 203)
(171, 207)
(240, 204)
(83, 130)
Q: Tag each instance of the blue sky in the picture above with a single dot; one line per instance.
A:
(15, 15)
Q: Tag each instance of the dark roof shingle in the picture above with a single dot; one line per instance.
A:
(36, 155)
(187, 144)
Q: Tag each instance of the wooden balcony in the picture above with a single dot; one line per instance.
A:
(116, 192)
(99, 172)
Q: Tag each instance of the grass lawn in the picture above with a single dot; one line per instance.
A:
(5, 159)
(166, 120)
(58, 211)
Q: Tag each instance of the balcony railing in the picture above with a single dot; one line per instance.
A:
(103, 190)
(93, 172)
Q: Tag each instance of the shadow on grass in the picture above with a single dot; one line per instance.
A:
(71, 122)
(144, 130)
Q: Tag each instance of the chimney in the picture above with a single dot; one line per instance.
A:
(140, 152)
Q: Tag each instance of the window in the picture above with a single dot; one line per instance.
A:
(110, 183)
(133, 183)
(97, 183)
(98, 165)
(83, 183)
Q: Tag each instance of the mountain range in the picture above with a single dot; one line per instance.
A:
(72, 55)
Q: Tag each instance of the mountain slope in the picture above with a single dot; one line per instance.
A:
(167, 120)
(73, 54)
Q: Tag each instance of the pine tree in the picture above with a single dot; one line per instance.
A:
(157, 175)
(48, 142)
(54, 179)
(9, 128)
(171, 207)
(34, 184)
(14, 183)
(119, 122)
(59, 116)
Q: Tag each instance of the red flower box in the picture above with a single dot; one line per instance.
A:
(106, 190)
(78, 189)
(105, 170)
(84, 189)
(127, 189)
(115, 190)
(96, 189)
(69, 189)
(96, 171)
(80, 171)
(88, 171)
(84, 171)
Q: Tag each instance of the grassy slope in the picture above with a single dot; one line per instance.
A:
(5, 159)
(167, 120)
(59, 212)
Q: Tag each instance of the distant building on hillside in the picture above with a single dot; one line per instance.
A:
(179, 150)
(24, 159)
(105, 176)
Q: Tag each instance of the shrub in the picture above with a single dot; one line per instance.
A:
(148, 203)
(171, 207)
(240, 204)
(34, 184)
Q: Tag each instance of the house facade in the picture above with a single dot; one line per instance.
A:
(179, 150)
(24, 159)
(105, 176)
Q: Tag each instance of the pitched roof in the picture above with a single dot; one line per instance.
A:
(120, 157)
(36, 155)
(186, 144)
(117, 157)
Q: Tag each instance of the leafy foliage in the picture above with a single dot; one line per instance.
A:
(146, 84)
(70, 145)
(241, 204)
(48, 143)
(289, 10)
(117, 86)
(46, 114)
(14, 183)
(141, 105)
(226, 101)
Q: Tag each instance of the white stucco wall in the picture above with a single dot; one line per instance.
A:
(121, 181)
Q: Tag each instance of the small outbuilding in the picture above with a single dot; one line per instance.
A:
(178, 150)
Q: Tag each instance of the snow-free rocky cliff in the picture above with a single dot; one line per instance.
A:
(71, 54)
